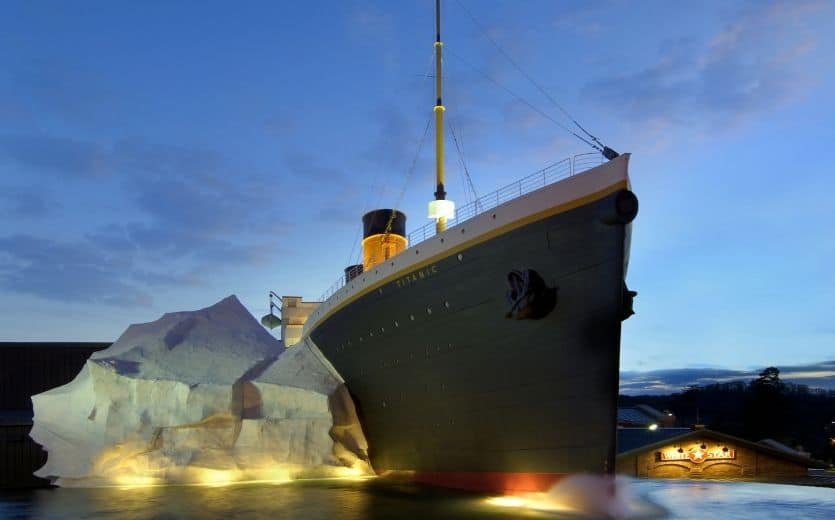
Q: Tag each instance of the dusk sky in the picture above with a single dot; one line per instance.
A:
(159, 156)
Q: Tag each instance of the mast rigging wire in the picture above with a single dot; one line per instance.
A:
(382, 188)
(463, 163)
(525, 101)
(408, 175)
(528, 77)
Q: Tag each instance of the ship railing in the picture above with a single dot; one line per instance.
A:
(539, 179)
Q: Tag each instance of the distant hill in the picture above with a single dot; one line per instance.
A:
(659, 382)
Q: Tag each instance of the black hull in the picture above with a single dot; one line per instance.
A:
(445, 382)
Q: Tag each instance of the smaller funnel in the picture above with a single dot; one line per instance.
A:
(383, 236)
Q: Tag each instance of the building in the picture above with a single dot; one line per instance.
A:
(644, 416)
(26, 369)
(294, 313)
(702, 453)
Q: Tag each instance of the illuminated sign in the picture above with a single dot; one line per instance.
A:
(697, 454)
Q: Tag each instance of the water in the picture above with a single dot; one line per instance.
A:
(347, 499)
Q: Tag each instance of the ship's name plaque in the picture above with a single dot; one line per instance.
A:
(417, 276)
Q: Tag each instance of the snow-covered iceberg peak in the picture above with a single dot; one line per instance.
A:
(213, 345)
(202, 396)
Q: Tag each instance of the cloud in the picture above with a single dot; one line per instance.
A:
(397, 141)
(112, 237)
(67, 272)
(192, 213)
(26, 203)
(818, 375)
(377, 27)
(306, 166)
(55, 155)
(45, 89)
(340, 215)
(582, 18)
(753, 64)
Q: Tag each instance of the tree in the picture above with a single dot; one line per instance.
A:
(769, 380)
(766, 409)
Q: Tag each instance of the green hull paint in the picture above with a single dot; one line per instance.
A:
(460, 387)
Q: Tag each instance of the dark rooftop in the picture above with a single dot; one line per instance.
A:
(633, 438)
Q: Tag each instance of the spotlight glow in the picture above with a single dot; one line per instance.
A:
(507, 501)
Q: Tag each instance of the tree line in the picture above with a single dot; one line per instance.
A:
(763, 408)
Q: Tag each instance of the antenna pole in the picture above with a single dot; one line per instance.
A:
(440, 194)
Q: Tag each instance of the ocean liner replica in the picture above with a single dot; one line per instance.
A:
(482, 351)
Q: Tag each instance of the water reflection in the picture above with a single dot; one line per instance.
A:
(375, 498)
(738, 500)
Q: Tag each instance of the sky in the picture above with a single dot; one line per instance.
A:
(159, 156)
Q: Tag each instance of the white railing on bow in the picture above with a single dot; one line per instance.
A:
(548, 175)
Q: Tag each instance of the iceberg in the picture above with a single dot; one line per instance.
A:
(206, 396)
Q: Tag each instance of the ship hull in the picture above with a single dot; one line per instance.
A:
(455, 384)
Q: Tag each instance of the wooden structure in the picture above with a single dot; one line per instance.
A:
(708, 454)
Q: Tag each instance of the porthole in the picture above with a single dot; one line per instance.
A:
(463, 231)
(417, 252)
(442, 240)
(494, 216)
(460, 257)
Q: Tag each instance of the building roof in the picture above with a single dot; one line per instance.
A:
(633, 415)
(15, 417)
(771, 443)
(640, 414)
(632, 438)
(722, 437)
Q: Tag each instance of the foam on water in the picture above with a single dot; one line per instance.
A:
(587, 496)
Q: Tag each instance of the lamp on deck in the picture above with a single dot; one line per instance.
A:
(270, 320)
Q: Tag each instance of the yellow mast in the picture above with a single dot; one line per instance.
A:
(440, 194)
